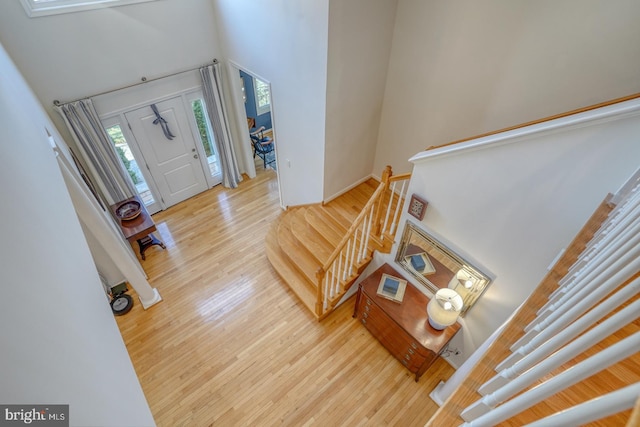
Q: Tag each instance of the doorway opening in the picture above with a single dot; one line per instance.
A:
(255, 114)
(256, 95)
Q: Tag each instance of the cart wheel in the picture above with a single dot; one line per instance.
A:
(121, 304)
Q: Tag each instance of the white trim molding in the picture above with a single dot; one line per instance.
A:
(36, 8)
(608, 113)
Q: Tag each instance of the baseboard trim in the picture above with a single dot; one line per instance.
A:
(156, 299)
(351, 187)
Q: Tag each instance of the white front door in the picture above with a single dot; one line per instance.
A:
(174, 161)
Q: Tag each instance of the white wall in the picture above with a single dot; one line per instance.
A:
(462, 68)
(511, 208)
(285, 43)
(76, 55)
(81, 54)
(60, 343)
(360, 34)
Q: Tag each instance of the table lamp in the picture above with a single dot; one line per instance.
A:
(443, 309)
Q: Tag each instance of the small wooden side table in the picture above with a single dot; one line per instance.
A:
(138, 229)
(402, 328)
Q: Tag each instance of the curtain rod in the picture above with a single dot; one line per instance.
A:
(143, 80)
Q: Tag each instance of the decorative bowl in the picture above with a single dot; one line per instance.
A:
(128, 210)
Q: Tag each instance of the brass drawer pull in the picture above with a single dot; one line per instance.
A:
(367, 308)
(411, 351)
(364, 321)
(408, 357)
(368, 301)
(365, 315)
(414, 345)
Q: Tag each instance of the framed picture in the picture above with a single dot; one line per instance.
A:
(392, 288)
(417, 207)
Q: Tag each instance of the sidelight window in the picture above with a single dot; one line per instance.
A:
(129, 163)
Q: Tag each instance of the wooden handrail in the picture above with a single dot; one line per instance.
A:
(400, 177)
(545, 119)
(363, 213)
(352, 253)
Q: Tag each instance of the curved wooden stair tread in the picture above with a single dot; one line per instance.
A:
(336, 212)
(303, 239)
(297, 282)
(303, 245)
(325, 224)
(317, 245)
(297, 253)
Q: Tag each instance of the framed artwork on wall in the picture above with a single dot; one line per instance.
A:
(417, 206)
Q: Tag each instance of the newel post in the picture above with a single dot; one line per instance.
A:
(386, 174)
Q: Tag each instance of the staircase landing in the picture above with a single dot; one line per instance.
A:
(302, 239)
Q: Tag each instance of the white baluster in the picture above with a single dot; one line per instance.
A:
(480, 413)
(602, 261)
(628, 189)
(532, 355)
(335, 279)
(353, 253)
(594, 409)
(620, 213)
(612, 234)
(386, 217)
(335, 284)
(396, 217)
(325, 299)
(363, 225)
(340, 256)
(367, 235)
(584, 299)
(597, 241)
(589, 290)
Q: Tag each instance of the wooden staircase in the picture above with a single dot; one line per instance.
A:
(319, 250)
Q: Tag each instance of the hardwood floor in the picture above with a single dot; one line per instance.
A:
(230, 345)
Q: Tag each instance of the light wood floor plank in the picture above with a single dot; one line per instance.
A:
(231, 345)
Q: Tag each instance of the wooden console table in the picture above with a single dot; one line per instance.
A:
(139, 228)
(403, 328)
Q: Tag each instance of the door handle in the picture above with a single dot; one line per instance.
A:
(195, 156)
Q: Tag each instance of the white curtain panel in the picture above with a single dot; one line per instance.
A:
(214, 100)
(98, 150)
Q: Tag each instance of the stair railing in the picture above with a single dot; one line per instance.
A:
(352, 253)
(386, 229)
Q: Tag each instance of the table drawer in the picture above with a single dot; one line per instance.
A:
(393, 333)
(402, 346)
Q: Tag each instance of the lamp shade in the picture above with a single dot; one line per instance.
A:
(443, 309)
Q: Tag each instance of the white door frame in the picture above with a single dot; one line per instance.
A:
(241, 120)
(112, 107)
